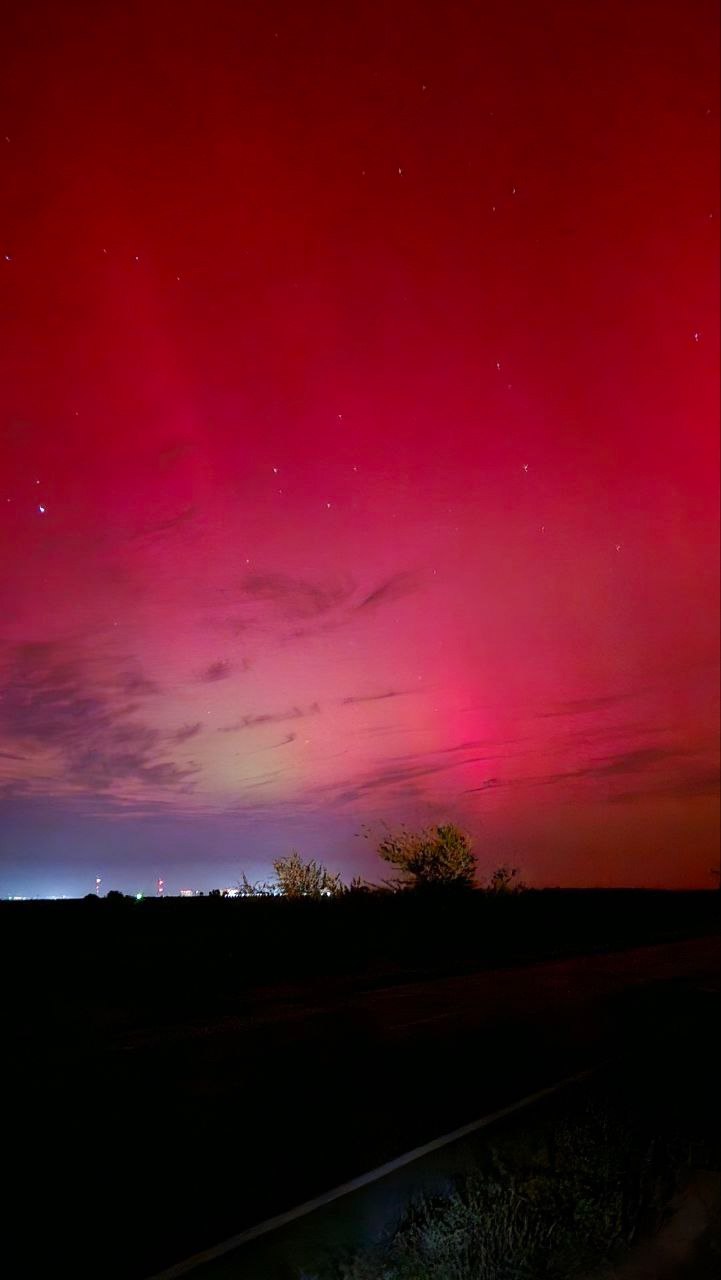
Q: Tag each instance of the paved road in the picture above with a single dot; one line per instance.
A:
(536, 992)
(196, 1132)
(406, 1010)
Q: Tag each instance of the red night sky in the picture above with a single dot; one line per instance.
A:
(359, 420)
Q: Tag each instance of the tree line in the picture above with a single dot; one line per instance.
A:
(434, 858)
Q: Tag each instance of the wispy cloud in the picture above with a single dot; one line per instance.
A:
(662, 771)
(307, 607)
(376, 697)
(168, 524)
(394, 588)
(216, 671)
(136, 685)
(403, 772)
(697, 784)
(475, 744)
(270, 717)
(584, 706)
(621, 764)
(296, 597)
(59, 701)
(187, 731)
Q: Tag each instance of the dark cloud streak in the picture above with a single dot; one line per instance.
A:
(270, 717)
(187, 731)
(54, 698)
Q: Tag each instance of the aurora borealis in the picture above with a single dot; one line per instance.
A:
(359, 426)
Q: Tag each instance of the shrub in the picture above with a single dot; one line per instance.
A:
(434, 858)
(559, 1220)
(299, 879)
(503, 880)
(255, 889)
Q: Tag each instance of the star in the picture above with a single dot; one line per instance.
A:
(275, 471)
(498, 365)
(328, 505)
(7, 257)
(697, 336)
(618, 546)
(525, 467)
(400, 173)
(41, 509)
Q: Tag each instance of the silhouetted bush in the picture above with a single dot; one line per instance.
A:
(557, 1210)
(299, 879)
(504, 880)
(435, 858)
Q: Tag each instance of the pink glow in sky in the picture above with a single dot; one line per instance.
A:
(359, 428)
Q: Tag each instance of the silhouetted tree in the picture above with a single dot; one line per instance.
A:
(503, 880)
(255, 889)
(359, 885)
(435, 858)
(114, 895)
(299, 879)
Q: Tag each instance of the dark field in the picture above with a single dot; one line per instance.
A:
(179, 1070)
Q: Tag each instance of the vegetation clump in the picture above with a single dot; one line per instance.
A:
(435, 857)
(299, 879)
(559, 1214)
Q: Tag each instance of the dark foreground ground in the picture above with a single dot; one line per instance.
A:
(162, 1095)
(613, 1176)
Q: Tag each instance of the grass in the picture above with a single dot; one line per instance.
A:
(555, 1208)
